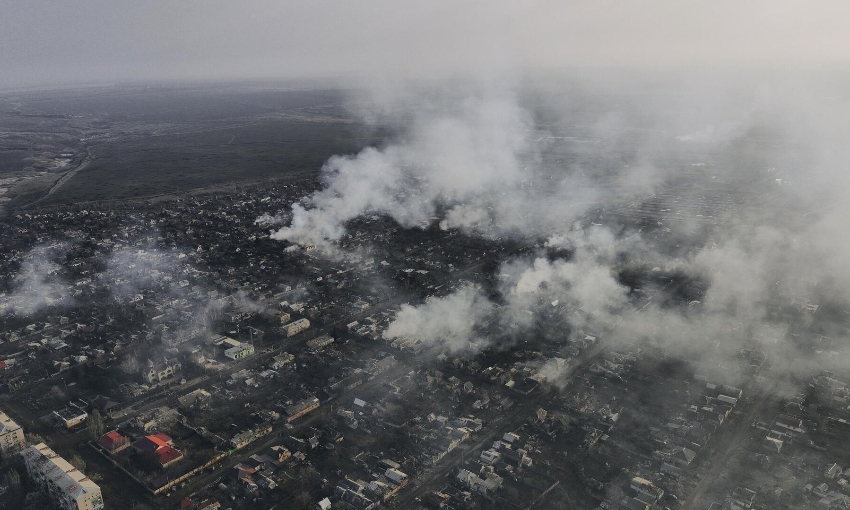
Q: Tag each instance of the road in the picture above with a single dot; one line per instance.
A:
(203, 479)
(65, 178)
(508, 422)
(702, 495)
(68, 441)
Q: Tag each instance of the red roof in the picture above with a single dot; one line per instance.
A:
(2, 364)
(157, 441)
(168, 454)
(160, 437)
(113, 439)
(146, 445)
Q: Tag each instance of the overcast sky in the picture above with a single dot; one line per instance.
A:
(53, 42)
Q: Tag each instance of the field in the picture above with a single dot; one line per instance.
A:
(116, 143)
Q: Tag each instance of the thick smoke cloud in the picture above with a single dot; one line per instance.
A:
(582, 290)
(448, 322)
(464, 161)
(472, 159)
(748, 187)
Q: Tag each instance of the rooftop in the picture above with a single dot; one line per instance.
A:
(7, 424)
(59, 470)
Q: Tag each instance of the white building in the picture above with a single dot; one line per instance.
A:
(483, 485)
(11, 436)
(239, 351)
(67, 486)
(293, 328)
(71, 416)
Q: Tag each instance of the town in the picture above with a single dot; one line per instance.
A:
(169, 354)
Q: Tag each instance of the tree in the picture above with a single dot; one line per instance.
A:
(33, 438)
(57, 394)
(95, 425)
(77, 462)
(148, 462)
(130, 365)
(13, 479)
(37, 500)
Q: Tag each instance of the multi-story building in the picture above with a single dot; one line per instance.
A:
(11, 436)
(293, 328)
(299, 409)
(66, 485)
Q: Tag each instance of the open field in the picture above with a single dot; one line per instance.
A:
(128, 142)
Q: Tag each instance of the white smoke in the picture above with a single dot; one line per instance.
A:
(465, 161)
(268, 219)
(587, 291)
(447, 322)
(36, 286)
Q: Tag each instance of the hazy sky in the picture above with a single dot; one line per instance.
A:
(94, 40)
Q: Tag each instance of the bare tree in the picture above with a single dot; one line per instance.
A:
(13, 479)
(95, 425)
(130, 364)
(33, 438)
(77, 462)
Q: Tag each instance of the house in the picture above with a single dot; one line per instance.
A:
(71, 416)
(395, 476)
(265, 482)
(153, 442)
(113, 442)
(239, 351)
(490, 456)
(299, 409)
(198, 398)
(168, 456)
(319, 342)
(249, 436)
(510, 437)
(162, 369)
(281, 360)
(278, 454)
(833, 471)
(644, 487)
(162, 446)
(483, 485)
(740, 497)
